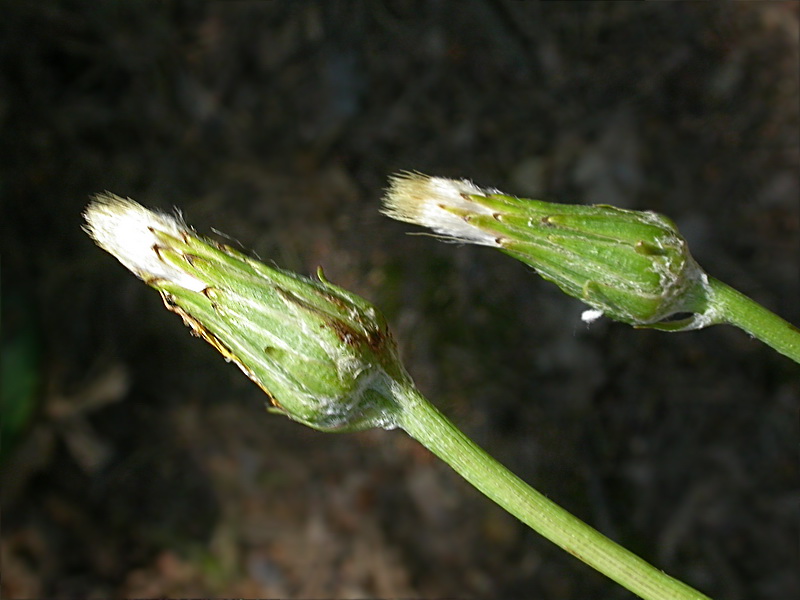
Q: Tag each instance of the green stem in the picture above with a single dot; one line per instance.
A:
(433, 430)
(735, 308)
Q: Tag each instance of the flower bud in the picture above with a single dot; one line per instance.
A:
(632, 266)
(324, 356)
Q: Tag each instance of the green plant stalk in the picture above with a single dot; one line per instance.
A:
(422, 421)
(734, 308)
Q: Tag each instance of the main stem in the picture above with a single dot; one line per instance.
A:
(433, 430)
(735, 308)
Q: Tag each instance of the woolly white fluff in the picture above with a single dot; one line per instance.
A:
(591, 315)
(124, 229)
(422, 200)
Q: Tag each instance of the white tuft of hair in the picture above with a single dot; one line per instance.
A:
(125, 229)
(591, 315)
(423, 200)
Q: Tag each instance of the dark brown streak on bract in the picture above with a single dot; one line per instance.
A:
(228, 249)
(191, 258)
(199, 330)
(370, 337)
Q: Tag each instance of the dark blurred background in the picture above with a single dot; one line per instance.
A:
(135, 462)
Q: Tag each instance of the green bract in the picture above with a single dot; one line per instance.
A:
(633, 266)
(324, 356)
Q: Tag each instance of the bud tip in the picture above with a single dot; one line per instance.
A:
(435, 202)
(127, 231)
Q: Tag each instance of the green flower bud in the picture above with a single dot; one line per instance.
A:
(632, 266)
(324, 356)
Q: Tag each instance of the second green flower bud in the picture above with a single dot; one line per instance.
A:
(632, 266)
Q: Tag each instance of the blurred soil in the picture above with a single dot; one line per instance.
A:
(150, 468)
